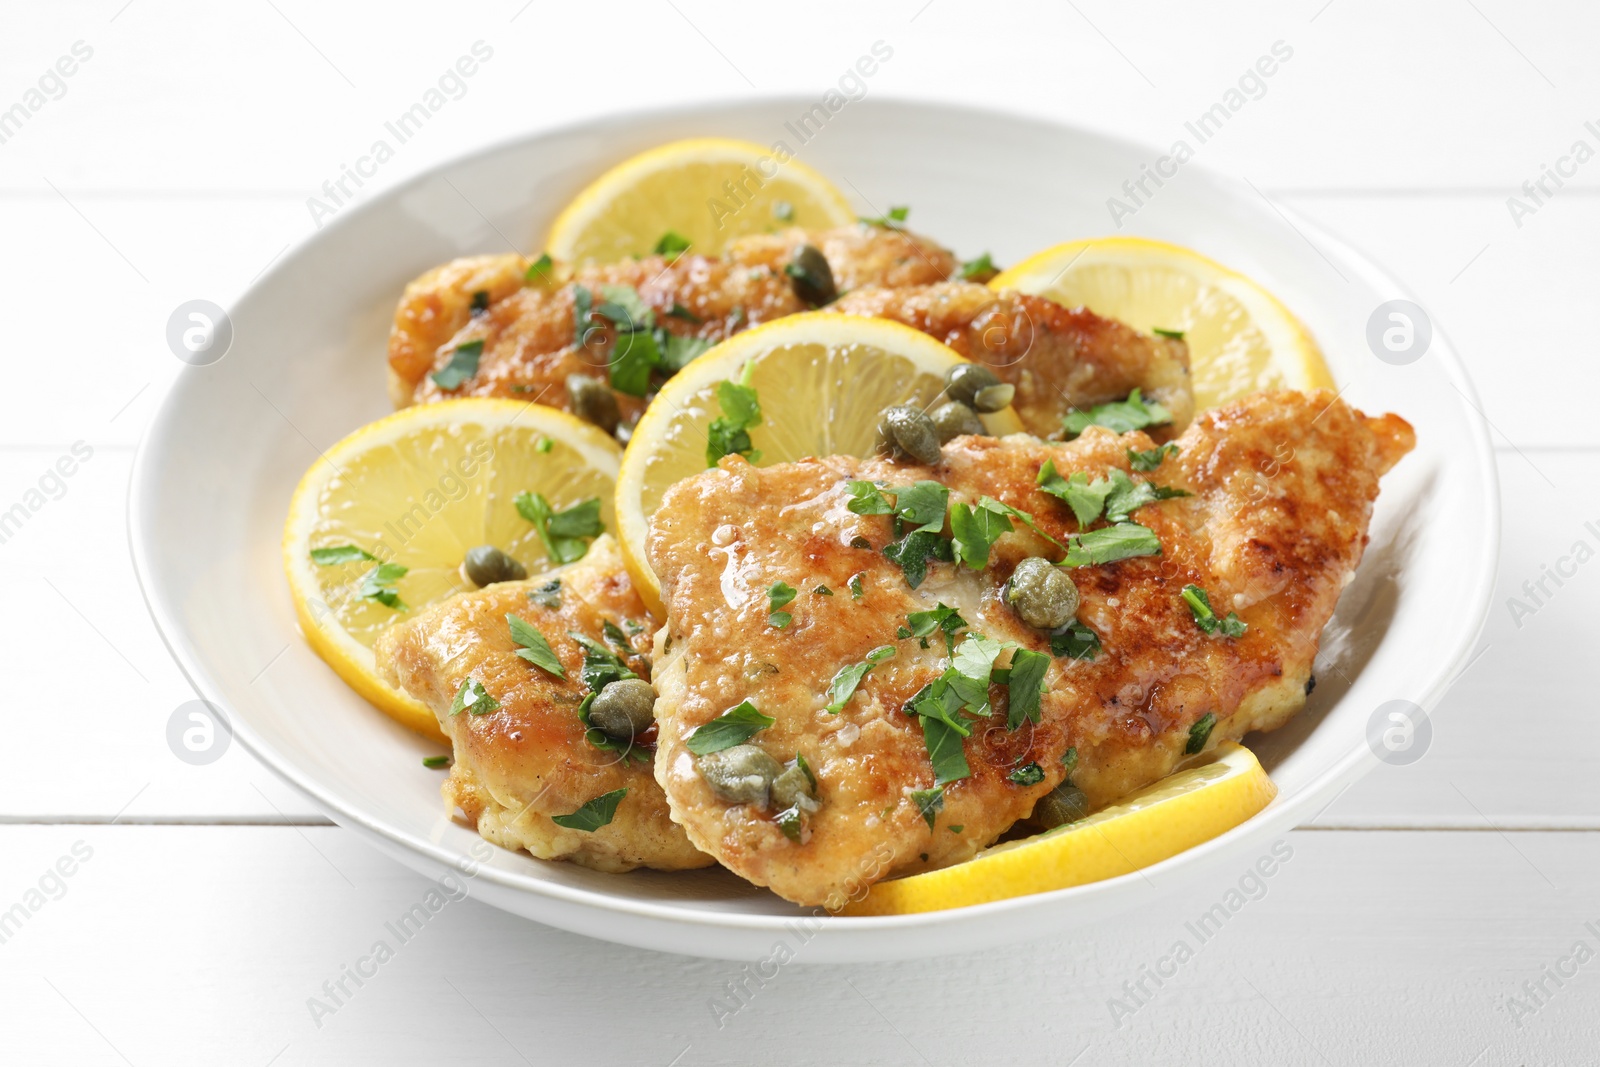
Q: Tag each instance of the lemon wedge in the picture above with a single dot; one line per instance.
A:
(822, 379)
(379, 526)
(1177, 813)
(708, 191)
(1241, 339)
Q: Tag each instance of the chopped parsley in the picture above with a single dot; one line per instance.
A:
(463, 365)
(547, 595)
(1175, 335)
(1199, 602)
(327, 557)
(582, 301)
(1122, 541)
(822, 590)
(565, 534)
(783, 211)
(942, 617)
(1199, 734)
(480, 301)
(1075, 641)
(618, 639)
(672, 244)
(790, 822)
(379, 584)
(678, 311)
(856, 591)
(956, 828)
(892, 220)
(1118, 416)
(866, 499)
(433, 763)
(1151, 459)
(929, 802)
(729, 434)
(601, 666)
(543, 445)
(1128, 495)
(1069, 761)
(1026, 682)
(1085, 499)
(733, 727)
(779, 595)
(593, 815)
(979, 268)
(973, 532)
(625, 308)
(636, 352)
(922, 505)
(473, 697)
(541, 271)
(913, 551)
(534, 648)
(844, 683)
(677, 352)
(1027, 774)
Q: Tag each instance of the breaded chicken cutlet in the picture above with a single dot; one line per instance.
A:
(927, 713)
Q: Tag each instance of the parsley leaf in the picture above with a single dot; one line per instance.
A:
(979, 268)
(619, 640)
(1176, 335)
(601, 666)
(1021, 516)
(779, 595)
(844, 683)
(822, 590)
(865, 499)
(625, 308)
(535, 649)
(1085, 499)
(1069, 760)
(672, 244)
(1128, 495)
(547, 595)
(973, 532)
(913, 551)
(1118, 416)
(733, 727)
(480, 301)
(1077, 641)
(1027, 774)
(929, 802)
(677, 351)
(855, 587)
(1199, 734)
(783, 211)
(326, 557)
(433, 763)
(1027, 686)
(541, 271)
(593, 815)
(922, 505)
(463, 365)
(1149, 461)
(729, 434)
(678, 311)
(379, 584)
(582, 301)
(563, 533)
(1199, 602)
(892, 220)
(634, 357)
(473, 697)
(1122, 541)
(923, 623)
(938, 705)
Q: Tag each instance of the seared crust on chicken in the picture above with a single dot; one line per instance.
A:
(529, 342)
(528, 760)
(1058, 358)
(1282, 491)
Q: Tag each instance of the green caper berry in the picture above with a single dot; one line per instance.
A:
(624, 709)
(742, 774)
(486, 565)
(1063, 804)
(953, 418)
(811, 277)
(1042, 594)
(907, 431)
(792, 789)
(963, 381)
(994, 397)
(593, 401)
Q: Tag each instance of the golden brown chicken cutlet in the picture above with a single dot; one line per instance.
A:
(530, 758)
(974, 715)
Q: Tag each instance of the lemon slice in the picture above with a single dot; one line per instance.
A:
(1179, 812)
(1241, 339)
(822, 379)
(709, 190)
(418, 489)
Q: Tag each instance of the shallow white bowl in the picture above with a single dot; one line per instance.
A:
(215, 471)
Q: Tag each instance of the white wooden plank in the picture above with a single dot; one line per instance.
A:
(185, 96)
(1358, 948)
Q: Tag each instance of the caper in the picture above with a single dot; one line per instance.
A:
(907, 431)
(811, 277)
(1042, 594)
(742, 774)
(1063, 804)
(963, 381)
(486, 565)
(593, 401)
(953, 418)
(624, 709)
(792, 789)
(994, 397)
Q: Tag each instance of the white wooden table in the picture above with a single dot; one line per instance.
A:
(1432, 914)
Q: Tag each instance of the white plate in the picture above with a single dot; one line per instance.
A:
(215, 471)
